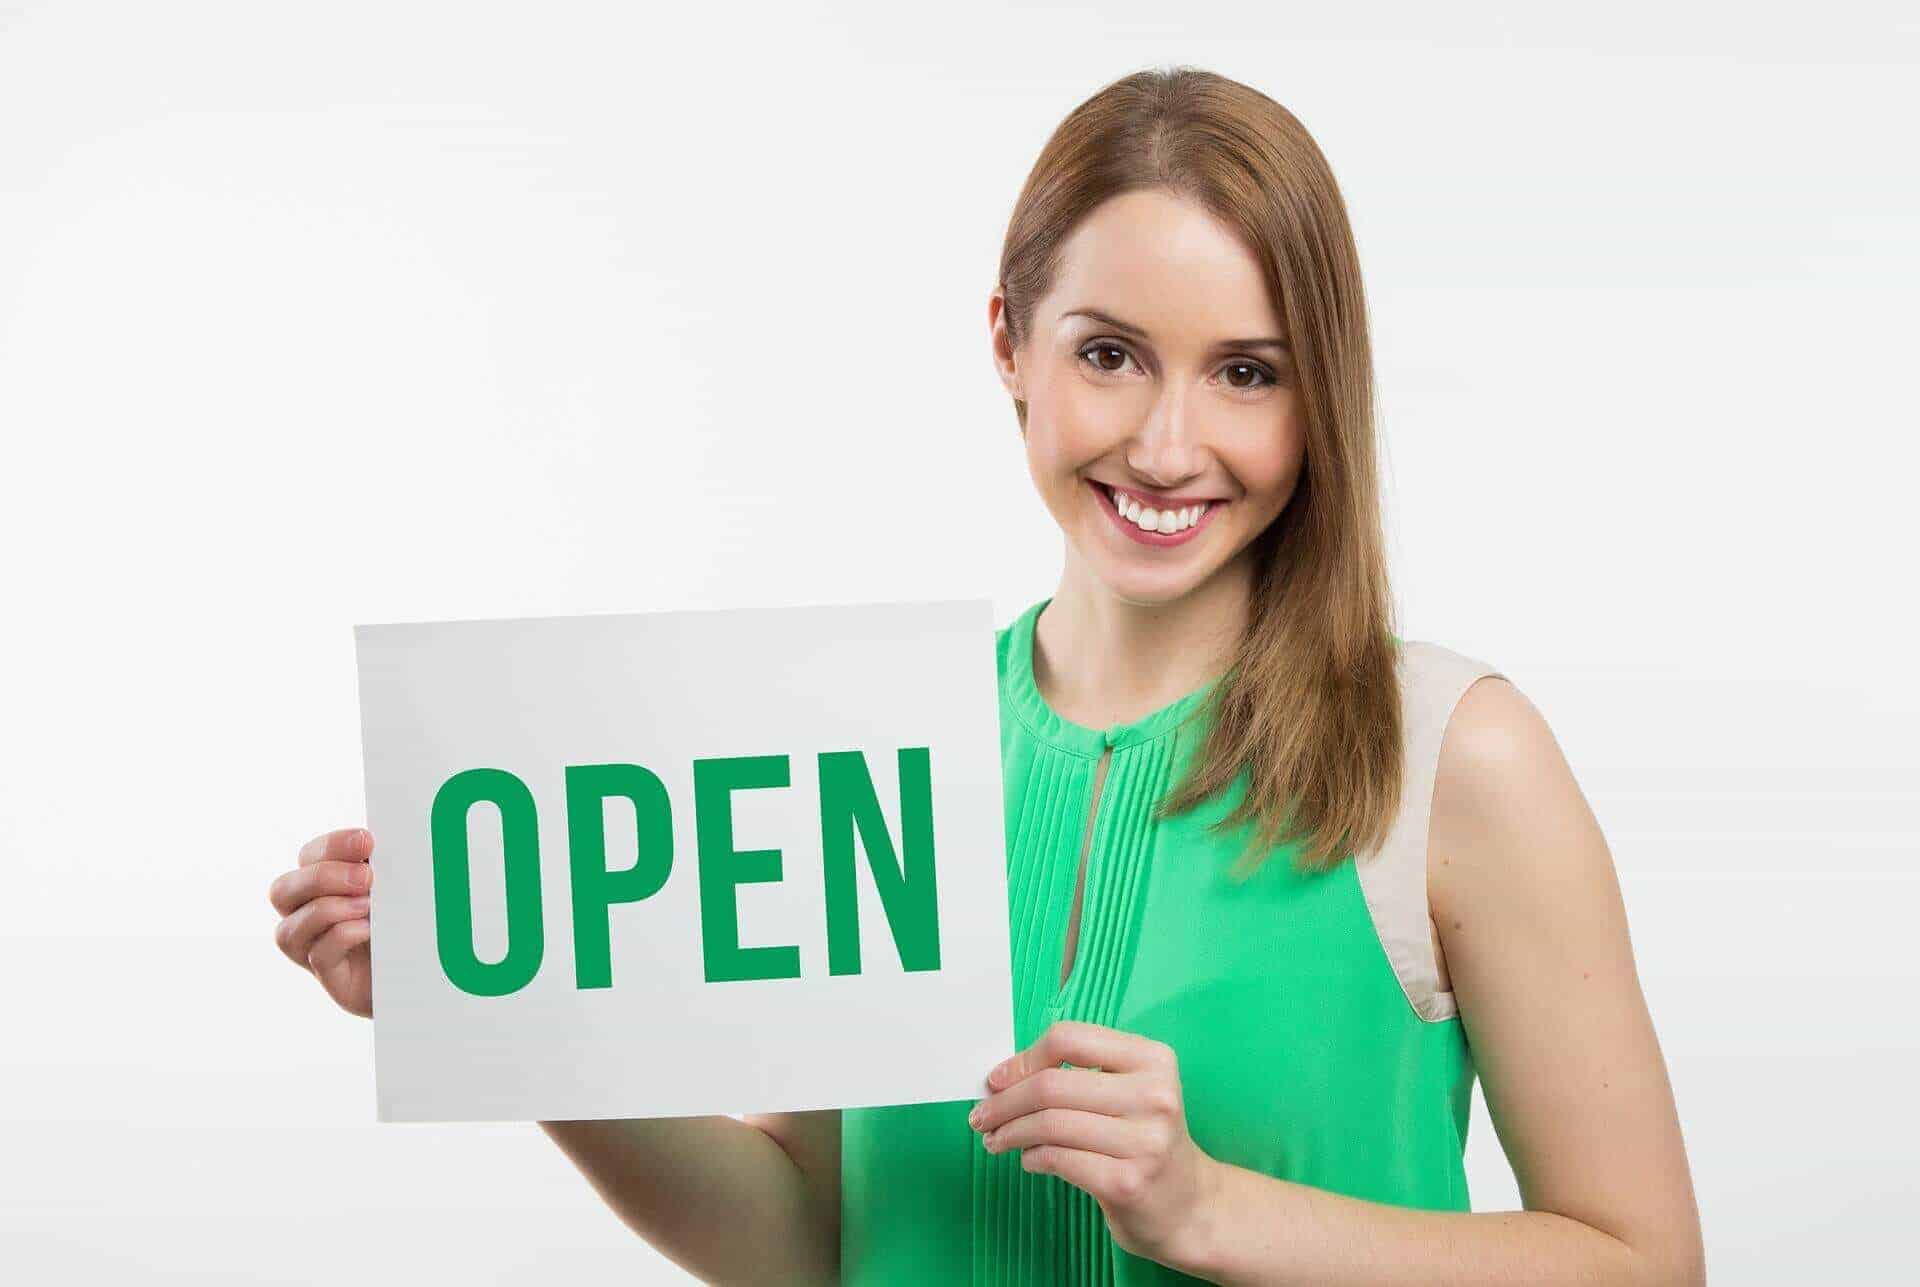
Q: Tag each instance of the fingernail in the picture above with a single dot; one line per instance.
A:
(359, 877)
(973, 1118)
(360, 904)
(999, 1070)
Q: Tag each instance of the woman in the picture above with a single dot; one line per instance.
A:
(1281, 882)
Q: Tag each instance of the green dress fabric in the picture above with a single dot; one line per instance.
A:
(1300, 1055)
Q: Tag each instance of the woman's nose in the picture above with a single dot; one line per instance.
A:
(1165, 451)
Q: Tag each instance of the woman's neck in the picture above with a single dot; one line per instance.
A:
(1101, 660)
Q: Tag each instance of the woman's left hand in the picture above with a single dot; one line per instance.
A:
(1114, 1125)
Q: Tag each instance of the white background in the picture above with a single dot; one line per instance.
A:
(693, 300)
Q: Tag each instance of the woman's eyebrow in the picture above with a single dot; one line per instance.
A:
(1128, 328)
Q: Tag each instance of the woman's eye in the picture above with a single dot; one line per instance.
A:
(1253, 367)
(1098, 365)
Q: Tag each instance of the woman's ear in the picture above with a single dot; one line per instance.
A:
(1006, 362)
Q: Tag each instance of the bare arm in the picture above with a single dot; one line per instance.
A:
(1534, 929)
(1535, 940)
(731, 1201)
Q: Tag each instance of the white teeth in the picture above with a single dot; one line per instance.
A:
(1155, 520)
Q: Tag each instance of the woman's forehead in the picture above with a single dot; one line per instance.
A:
(1165, 265)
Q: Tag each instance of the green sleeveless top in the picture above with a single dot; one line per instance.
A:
(1314, 1043)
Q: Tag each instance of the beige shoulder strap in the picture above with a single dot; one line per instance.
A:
(1393, 878)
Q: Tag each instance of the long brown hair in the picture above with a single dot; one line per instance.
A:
(1310, 705)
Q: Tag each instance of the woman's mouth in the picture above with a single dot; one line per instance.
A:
(1149, 524)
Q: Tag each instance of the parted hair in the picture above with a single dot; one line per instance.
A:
(1309, 707)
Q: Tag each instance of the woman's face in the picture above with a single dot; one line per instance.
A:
(1156, 366)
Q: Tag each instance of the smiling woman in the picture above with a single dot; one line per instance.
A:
(1269, 864)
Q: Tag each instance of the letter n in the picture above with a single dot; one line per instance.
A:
(849, 803)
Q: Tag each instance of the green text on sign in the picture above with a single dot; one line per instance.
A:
(849, 807)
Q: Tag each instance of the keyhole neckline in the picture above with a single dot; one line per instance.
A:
(1050, 727)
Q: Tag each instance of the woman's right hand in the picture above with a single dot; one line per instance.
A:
(323, 926)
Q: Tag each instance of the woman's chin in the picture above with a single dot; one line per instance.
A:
(1132, 583)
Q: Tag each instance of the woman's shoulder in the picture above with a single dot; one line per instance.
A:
(1456, 729)
(1443, 703)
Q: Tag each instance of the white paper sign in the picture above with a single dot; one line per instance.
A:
(664, 864)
